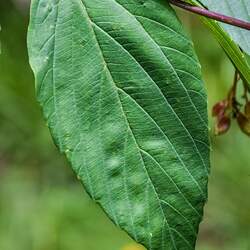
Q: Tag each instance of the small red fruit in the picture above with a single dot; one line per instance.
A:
(219, 108)
(222, 126)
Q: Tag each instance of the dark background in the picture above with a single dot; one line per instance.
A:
(43, 206)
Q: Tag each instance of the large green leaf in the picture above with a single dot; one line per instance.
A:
(237, 9)
(121, 91)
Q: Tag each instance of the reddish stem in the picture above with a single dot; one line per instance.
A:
(211, 14)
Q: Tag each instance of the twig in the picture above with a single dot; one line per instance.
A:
(211, 14)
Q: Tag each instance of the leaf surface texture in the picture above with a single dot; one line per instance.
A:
(121, 90)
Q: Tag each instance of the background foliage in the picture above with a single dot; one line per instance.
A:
(42, 206)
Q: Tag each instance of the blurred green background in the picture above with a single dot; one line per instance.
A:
(44, 207)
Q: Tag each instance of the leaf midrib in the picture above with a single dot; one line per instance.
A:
(128, 125)
(129, 128)
(174, 71)
(137, 145)
(159, 128)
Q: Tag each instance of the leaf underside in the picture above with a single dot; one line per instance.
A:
(121, 90)
(237, 9)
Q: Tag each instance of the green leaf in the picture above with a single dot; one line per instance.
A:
(121, 90)
(237, 9)
(247, 58)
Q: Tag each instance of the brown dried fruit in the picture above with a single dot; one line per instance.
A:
(244, 123)
(247, 110)
(222, 125)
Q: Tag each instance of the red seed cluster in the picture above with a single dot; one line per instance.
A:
(226, 110)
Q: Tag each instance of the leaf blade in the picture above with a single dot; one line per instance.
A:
(107, 94)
